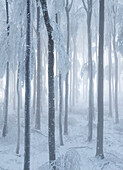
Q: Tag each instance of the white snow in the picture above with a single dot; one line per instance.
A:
(75, 141)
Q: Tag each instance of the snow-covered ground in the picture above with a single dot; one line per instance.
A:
(76, 141)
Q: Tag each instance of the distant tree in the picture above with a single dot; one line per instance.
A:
(60, 101)
(18, 94)
(99, 147)
(114, 9)
(88, 9)
(51, 109)
(27, 88)
(109, 20)
(67, 8)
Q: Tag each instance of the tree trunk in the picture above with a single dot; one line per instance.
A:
(18, 93)
(90, 71)
(7, 80)
(66, 80)
(34, 91)
(60, 109)
(116, 67)
(27, 90)
(5, 127)
(51, 109)
(99, 148)
(66, 106)
(110, 63)
(74, 70)
(38, 108)
(14, 98)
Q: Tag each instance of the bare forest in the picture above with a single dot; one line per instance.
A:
(61, 78)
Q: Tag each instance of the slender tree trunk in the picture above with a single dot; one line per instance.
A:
(99, 148)
(66, 106)
(116, 67)
(51, 111)
(60, 109)
(5, 130)
(27, 90)
(14, 98)
(34, 91)
(74, 70)
(57, 90)
(60, 99)
(38, 108)
(110, 63)
(66, 80)
(18, 93)
(21, 97)
(91, 103)
(5, 127)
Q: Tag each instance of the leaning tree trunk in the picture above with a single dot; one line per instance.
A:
(99, 147)
(7, 80)
(27, 90)
(18, 93)
(51, 111)
(38, 108)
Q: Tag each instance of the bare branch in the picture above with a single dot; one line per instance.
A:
(85, 7)
(70, 6)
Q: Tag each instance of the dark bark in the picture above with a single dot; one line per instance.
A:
(51, 110)
(99, 147)
(27, 91)
(38, 108)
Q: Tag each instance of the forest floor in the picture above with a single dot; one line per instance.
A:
(76, 141)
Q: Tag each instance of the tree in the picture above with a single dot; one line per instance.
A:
(67, 8)
(99, 147)
(88, 9)
(114, 9)
(110, 58)
(5, 128)
(38, 108)
(51, 110)
(18, 93)
(60, 100)
(27, 90)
